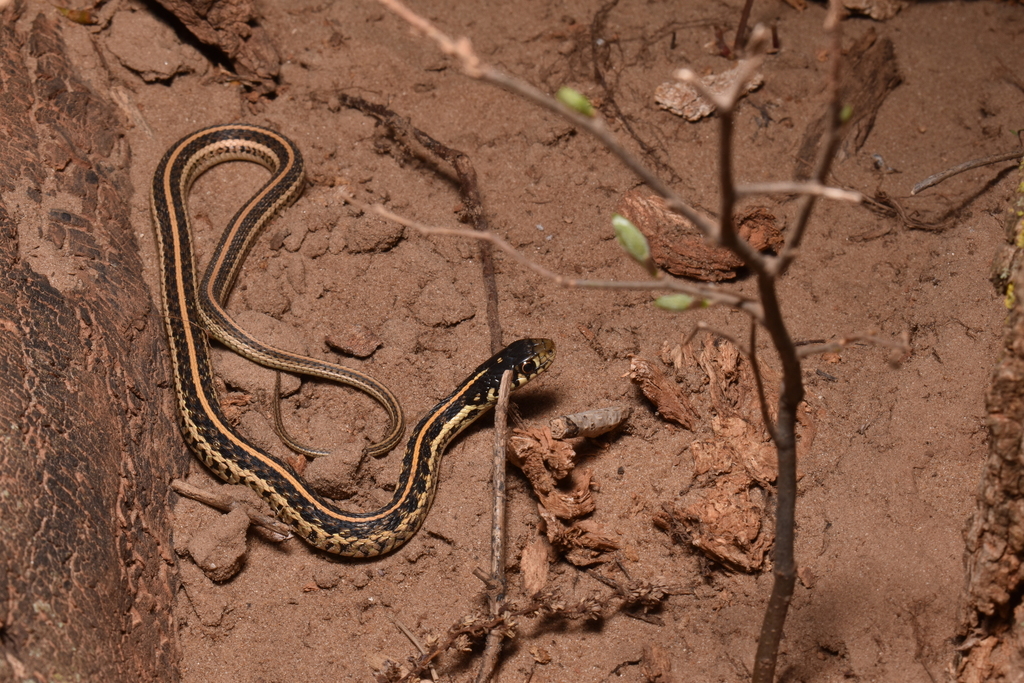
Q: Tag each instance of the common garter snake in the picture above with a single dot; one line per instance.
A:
(201, 151)
(216, 443)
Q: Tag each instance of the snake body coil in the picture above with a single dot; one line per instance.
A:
(216, 443)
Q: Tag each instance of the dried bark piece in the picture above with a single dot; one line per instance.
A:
(667, 397)
(656, 665)
(679, 248)
(720, 360)
(737, 446)
(879, 10)
(542, 459)
(683, 99)
(534, 564)
(582, 542)
(588, 424)
(991, 615)
(726, 523)
(231, 26)
(87, 571)
(568, 506)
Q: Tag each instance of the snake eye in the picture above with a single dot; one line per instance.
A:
(528, 368)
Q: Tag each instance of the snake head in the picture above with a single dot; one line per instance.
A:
(527, 358)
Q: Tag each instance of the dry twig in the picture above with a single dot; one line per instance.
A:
(405, 133)
(498, 583)
(709, 293)
(275, 530)
(933, 180)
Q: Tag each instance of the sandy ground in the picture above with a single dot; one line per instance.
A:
(890, 477)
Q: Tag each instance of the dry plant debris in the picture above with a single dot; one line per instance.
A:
(656, 665)
(678, 247)
(470, 628)
(668, 397)
(548, 462)
(231, 26)
(534, 564)
(726, 522)
(683, 99)
(879, 10)
(589, 424)
(724, 514)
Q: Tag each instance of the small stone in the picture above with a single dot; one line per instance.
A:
(328, 576)
(357, 341)
(334, 475)
(220, 549)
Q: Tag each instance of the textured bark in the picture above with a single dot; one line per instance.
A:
(86, 569)
(991, 609)
(231, 26)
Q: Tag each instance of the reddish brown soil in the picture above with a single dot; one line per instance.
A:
(890, 479)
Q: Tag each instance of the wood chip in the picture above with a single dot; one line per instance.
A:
(542, 459)
(726, 523)
(683, 99)
(572, 505)
(534, 565)
(656, 665)
(667, 396)
(679, 248)
(588, 424)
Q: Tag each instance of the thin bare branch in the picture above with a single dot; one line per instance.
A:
(766, 310)
(712, 295)
(741, 28)
(762, 399)
(702, 326)
(829, 142)
(416, 141)
(900, 345)
(276, 530)
(473, 67)
(796, 187)
(792, 390)
(930, 181)
(496, 595)
(724, 101)
(728, 236)
(416, 642)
